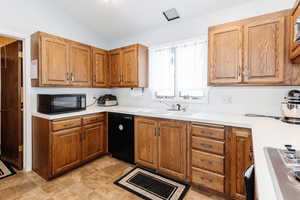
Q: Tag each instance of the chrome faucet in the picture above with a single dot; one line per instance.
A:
(179, 107)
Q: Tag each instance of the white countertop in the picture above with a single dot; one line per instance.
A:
(265, 132)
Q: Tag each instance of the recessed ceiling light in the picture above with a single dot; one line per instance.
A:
(171, 14)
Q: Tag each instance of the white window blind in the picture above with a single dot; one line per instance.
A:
(162, 79)
(179, 71)
(191, 65)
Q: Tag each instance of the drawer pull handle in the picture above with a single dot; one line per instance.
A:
(69, 124)
(206, 145)
(206, 133)
(206, 179)
(207, 161)
(93, 120)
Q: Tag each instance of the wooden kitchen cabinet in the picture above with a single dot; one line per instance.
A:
(172, 148)
(294, 47)
(225, 55)
(264, 51)
(100, 68)
(252, 52)
(66, 147)
(146, 142)
(50, 57)
(241, 158)
(219, 157)
(63, 144)
(162, 145)
(129, 66)
(59, 62)
(93, 140)
(80, 65)
(115, 68)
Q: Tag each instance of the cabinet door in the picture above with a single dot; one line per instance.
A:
(54, 64)
(225, 55)
(241, 159)
(66, 150)
(130, 66)
(100, 68)
(264, 51)
(146, 142)
(294, 48)
(172, 148)
(93, 140)
(115, 67)
(80, 65)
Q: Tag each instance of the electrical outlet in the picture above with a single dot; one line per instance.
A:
(227, 99)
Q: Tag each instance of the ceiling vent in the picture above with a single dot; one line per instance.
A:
(171, 14)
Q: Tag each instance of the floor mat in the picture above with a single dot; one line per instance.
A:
(6, 170)
(151, 186)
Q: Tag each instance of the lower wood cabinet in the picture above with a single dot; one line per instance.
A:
(66, 149)
(92, 141)
(146, 142)
(61, 145)
(162, 145)
(172, 151)
(241, 158)
(219, 157)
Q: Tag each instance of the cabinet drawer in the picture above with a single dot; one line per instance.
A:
(206, 131)
(93, 119)
(66, 124)
(208, 145)
(208, 161)
(208, 179)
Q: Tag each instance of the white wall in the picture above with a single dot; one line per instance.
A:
(190, 28)
(262, 100)
(28, 16)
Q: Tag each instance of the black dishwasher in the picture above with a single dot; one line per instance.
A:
(121, 136)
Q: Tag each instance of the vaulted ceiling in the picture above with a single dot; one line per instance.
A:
(116, 19)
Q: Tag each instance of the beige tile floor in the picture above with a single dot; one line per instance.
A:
(93, 181)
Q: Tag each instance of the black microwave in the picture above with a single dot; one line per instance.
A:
(61, 103)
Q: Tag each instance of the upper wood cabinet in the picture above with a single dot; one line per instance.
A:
(64, 63)
(294, 50)
(100, 68)
(80, 65)
(162, 145)
(225, 63)
(115, 67)
(129, 66)
(264, 51)
(250, 52)
(59, 62)
(53, 58)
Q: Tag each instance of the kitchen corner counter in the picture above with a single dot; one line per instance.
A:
(265, 133)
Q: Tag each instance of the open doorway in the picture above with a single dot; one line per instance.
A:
(11, 88)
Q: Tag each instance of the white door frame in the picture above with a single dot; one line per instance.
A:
(27, 136)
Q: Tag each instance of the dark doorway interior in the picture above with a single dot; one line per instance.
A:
(11, 101)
